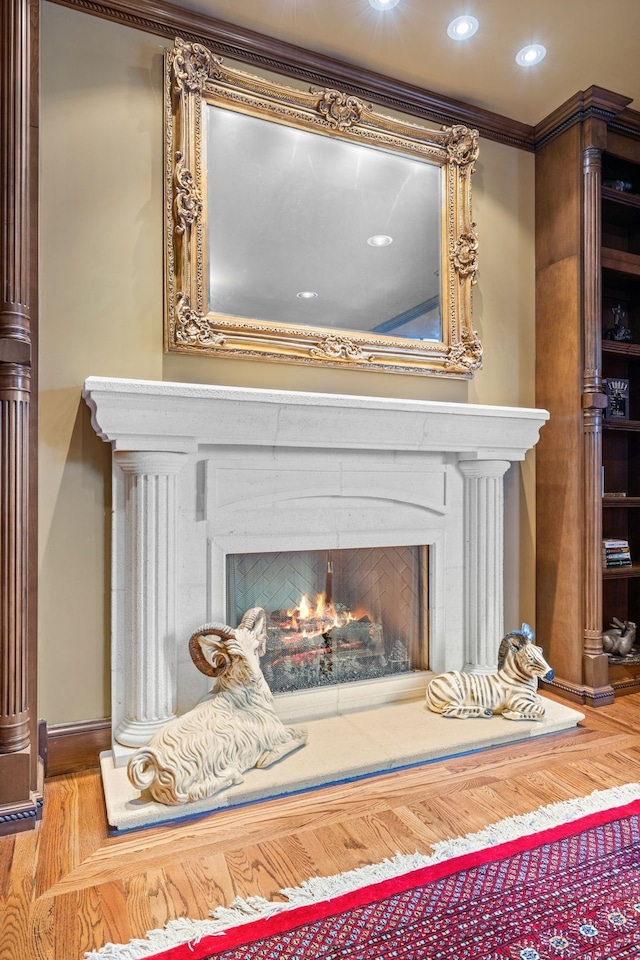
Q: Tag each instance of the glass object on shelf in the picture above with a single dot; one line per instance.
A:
(617, 391)
(622, 186)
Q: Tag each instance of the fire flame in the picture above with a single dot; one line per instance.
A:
(320, 610)
(303, 608)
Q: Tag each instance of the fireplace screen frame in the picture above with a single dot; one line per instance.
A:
(348, 630)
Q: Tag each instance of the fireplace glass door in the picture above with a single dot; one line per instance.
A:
(335, 616)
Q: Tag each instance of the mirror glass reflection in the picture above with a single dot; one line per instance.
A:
(291, 212)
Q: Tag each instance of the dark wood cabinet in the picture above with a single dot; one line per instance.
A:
(588, 377)
(620, 267)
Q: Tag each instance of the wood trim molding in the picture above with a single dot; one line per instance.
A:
(72, 747)
(578, 693)
(627, 122)
(597, 103)
(168, 20)
(21, 816)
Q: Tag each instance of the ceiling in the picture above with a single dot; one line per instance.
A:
(589, 42)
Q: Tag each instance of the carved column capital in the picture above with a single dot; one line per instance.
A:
(154, 462)
(484, 468)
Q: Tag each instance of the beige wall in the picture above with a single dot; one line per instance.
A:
(101, 314)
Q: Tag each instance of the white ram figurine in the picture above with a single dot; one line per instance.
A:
(235, 728)
(512, 691)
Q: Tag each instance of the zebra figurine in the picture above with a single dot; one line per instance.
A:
(511, 691)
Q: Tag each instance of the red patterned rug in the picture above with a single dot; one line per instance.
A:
(561, 882)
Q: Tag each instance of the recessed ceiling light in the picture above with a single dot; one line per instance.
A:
(306, 294)
(383, 4)
(380, 240)
(462, 28)
(531, 54)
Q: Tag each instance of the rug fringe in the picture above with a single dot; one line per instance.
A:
(316, 889)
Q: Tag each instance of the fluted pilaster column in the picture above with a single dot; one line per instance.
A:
(14, 508)
(483, 562)
(17, 684)
(148, 668)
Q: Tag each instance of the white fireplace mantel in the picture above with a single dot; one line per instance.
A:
(180, 417)
(203, 471)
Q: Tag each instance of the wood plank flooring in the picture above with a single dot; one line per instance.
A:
(68, 886)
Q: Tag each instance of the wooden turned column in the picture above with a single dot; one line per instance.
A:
(19, 806)
(595, 661)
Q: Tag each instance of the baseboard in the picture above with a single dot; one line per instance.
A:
(623, 687)
(72, 747)
(579, 693)
(25, 815)
(563, 688)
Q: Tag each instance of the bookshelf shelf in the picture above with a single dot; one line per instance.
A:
(621, 202)
(619, 261)
(621, 349)
(621, 573)
(630, 426)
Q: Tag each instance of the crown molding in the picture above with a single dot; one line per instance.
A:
(627, 122)
(168, 20)
(595, 102)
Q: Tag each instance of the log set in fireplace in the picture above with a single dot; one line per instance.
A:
(337, 616)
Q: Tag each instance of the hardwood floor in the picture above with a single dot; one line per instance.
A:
(68, 887)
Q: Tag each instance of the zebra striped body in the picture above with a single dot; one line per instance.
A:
(512, 691)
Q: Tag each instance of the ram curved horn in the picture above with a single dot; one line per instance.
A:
(217, 661)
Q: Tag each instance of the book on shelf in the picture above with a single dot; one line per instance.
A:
(616, 553)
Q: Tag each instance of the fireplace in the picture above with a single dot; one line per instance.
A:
(389, 511)
(335, 616)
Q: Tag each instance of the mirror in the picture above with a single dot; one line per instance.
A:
(305, 227)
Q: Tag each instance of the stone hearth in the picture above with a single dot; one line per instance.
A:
(371, 741)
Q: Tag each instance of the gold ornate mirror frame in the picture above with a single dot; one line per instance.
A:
(196, 78)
